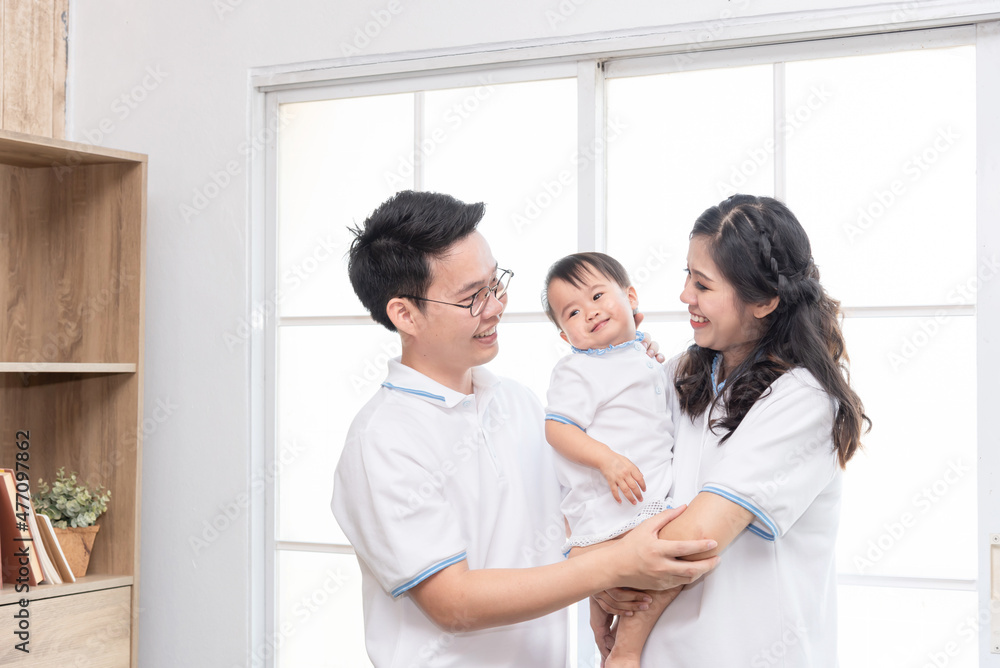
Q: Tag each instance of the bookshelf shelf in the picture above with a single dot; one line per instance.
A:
(71, 367)
(72, 219)
(21, 150)
(9, 595)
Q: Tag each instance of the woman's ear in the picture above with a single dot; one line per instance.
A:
(767, 308)
(403, 315)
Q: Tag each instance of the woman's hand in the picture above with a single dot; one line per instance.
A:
(601, 623)
(610, 606)
(621, 601)
(623, 475)
(652, 347)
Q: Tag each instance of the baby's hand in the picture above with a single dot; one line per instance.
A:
(623, 475)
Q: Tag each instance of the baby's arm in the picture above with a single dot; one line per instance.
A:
(573, 443)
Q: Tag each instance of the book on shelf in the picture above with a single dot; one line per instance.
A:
(54, 548)
(15, 537)
(49, 572)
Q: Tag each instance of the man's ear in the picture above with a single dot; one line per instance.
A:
(765, 309)
(404, 315)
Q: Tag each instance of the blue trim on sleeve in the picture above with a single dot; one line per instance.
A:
(760, 532)
(426, 573)
(749, 506)
(559, 418)
(419, 393)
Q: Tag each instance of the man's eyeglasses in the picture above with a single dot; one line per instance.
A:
(478, 301)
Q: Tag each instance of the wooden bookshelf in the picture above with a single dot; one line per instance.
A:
(72, 238)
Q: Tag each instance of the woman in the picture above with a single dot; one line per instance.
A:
(766, 420)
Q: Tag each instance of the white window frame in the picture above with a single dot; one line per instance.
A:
(594, 60)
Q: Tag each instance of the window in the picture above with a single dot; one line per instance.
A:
(871, 141)
(872, 152)
(337, 159)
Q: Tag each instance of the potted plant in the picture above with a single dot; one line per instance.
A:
(73, 509)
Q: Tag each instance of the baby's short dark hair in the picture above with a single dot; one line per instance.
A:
(573, 268)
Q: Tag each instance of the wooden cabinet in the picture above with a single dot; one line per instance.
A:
(72, 239)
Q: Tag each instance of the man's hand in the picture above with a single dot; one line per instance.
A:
(623, 475)
(651, 563)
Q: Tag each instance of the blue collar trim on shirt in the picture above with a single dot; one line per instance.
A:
(639, 336)
(717, 386)
(419, 393)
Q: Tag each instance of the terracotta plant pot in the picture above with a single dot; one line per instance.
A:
(76, 544)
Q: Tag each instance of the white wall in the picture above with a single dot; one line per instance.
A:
(182, 67)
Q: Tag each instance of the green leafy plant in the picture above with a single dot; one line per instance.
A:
(68, 503)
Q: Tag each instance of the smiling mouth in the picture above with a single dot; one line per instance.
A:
(489, 332)
(599, 325)
(698, 318)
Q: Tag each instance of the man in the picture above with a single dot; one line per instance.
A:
(445, 486)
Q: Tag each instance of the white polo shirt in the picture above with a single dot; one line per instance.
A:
(618, 396)
(772, 600)
(429, 477)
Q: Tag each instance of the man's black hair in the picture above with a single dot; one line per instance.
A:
(391, 252)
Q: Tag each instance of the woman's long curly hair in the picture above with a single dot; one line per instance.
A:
(762, 251)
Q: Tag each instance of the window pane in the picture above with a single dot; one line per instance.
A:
(891, 136)
(512, 146)
(325, 376)
(337, 160)
(673, 337)
(881, 626)
(677, 144)
(319, 612)
(882, 171)
(910, 496)
(528, 351)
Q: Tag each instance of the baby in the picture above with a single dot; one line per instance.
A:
(607, 417)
